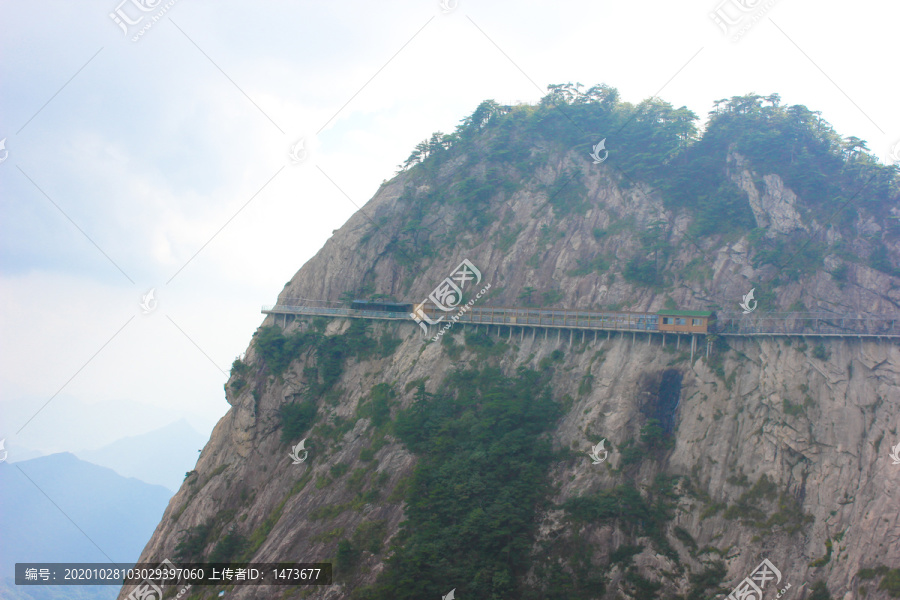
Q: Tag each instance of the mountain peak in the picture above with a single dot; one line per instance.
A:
(485, 444)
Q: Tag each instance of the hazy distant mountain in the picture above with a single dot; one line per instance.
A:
(58, 508)
(159, 457)
(18, 453)
(73, 424)
(9, 591)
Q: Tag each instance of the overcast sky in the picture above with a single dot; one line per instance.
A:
(162, 160)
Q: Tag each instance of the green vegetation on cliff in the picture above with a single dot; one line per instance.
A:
(480, 476)
(497, 150)
(278, 350)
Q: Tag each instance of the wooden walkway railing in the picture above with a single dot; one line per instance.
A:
(518, 317)
(732, 324)
(814, 324)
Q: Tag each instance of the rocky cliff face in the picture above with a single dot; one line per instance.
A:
(773, 449)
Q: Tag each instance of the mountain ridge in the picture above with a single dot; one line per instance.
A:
(59, 508)
(173, 451)
(765, 434)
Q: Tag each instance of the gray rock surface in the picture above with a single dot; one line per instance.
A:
(828, 454)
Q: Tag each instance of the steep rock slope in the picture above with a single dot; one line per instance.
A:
(770, 448)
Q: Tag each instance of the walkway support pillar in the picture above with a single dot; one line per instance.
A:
(693, 339)
(677, 342)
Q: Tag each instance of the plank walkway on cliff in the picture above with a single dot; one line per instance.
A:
(731, 324)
